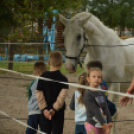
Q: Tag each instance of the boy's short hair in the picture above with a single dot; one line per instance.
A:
(39, 67)
(94, 64)
(55, 58)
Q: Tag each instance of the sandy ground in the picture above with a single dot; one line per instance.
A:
(13, 101)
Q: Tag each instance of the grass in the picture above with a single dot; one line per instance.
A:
(28, 68)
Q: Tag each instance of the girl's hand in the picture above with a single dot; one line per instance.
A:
(110, 124)
(105, 128)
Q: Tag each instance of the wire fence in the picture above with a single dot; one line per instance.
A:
(67, 119)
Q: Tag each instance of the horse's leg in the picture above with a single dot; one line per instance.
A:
(115, 99)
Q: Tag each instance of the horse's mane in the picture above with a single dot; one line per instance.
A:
(96, 21)
(97, 24)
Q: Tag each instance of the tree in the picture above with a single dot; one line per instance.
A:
(114, 13)
(9, 20)
(39, 8)
(19, 13)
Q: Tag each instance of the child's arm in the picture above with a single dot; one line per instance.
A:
(124, 100)
(109, 119)
(61, 97)
(40, 96)
(92, 107)
(42, 104)
(41, 100)
(60, 100)
(131, 87)
(29, 90)
(72, 103)
(29, 93)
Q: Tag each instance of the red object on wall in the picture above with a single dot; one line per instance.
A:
(49, 22)
(60, 29)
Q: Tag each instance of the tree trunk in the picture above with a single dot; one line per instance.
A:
(121, 29)
(120, 33)
(133, 32)
(10, 56)
(40, 36)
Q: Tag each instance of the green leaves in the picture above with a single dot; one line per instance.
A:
(20, 13)
(114, 12)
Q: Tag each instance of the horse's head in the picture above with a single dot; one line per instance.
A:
(73, 40)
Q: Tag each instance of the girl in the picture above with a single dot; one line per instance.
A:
(103, 85)
(98, 117)
(77, 105)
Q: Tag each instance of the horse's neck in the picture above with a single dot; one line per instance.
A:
(100, 35)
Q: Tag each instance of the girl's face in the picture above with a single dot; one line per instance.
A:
(95, 78)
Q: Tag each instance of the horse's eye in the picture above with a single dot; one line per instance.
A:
(79, 37)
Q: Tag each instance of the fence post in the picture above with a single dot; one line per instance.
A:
(40, 49)
(10, 56)
(40, 36)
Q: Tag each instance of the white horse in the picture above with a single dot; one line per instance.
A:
(113, 58)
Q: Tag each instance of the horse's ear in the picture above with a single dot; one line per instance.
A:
(84, 21)
(63, 19)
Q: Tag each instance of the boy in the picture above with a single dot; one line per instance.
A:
(33, 110)
(51, 96)
(98, 64)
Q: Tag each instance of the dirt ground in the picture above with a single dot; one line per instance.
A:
(13, 101)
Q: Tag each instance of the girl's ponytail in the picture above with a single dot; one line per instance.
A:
(82, 79)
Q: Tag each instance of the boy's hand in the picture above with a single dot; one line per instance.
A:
(47, 114)
(52, 112)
